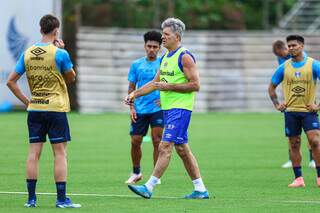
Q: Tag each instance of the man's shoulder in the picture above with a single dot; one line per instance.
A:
(139, 61)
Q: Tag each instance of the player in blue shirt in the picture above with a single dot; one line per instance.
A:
(281, 51)
(146, 110)
(47, 68)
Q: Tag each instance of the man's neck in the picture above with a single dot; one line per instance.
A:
(298, 58)
(47, 39)
(174, 47)
(151, 59)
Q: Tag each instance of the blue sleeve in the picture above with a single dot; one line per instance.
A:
(180, 58)
(63, 61)
(316, 69)
(162, 58)
(277, 77)
(20, 68)
(132, 76)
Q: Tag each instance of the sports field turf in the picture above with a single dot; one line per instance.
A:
(239, 155)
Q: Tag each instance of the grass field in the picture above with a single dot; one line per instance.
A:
(239, 156)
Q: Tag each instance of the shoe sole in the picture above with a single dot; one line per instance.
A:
(135, 181)
(136, 192)
(297, 186)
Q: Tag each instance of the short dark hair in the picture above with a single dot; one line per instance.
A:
(299, 38)
(277, 45)
(48, 23)
(152, 36)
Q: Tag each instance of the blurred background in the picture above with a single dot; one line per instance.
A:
(231, 40)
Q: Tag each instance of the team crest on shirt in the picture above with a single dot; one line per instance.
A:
(297, 74)
(165, 64)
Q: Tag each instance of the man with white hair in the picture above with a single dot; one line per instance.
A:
(177, 80)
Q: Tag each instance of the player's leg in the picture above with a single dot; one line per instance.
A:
(37, 136)
(314, 140)
(191, 165)
(293, 127)
(32, 172)
(156, 123)
(311, 163)
(165, 151)
(59, 135)
(287, 164)
(311, 127)
(137, 131)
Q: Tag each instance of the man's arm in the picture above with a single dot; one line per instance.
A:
(69, 76)
(133, 114)
(274, 98)
(13, 86)
(144, 90)
(191, 73)
(272, 94)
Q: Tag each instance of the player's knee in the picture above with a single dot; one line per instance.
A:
(295, 143)
(136, 141)
(164, 150)
(60, 153)
(181, 152)
(33, 157)
(156, 140)
(315, 143)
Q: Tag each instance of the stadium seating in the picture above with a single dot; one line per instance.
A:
(235, 67)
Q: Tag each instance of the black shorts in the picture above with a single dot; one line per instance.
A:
(140, 127)
(53, 124)
(296, 121)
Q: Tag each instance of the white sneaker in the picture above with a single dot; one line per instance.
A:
(312, 164)
(159, 182)
(287, 165)
(134, 178)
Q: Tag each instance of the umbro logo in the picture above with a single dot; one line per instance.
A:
(38, 51)
(298, 89)
(163, 80)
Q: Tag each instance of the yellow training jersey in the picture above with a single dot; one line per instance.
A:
(46, 83)
(299, 87)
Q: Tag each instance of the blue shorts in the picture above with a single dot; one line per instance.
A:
(176, 123)
(295, 121)
(53, 124)
(140, 127)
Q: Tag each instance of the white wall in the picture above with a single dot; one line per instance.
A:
(26, 15)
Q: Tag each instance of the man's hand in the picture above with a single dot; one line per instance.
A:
(162, 86)
(313, 107)
(281, 107)
(158, 102)
(129, 99)
(59, 43)
(133, 114)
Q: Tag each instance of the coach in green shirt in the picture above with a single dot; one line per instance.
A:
(177, 81)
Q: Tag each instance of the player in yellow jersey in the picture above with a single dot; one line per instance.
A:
(298, 76)
(281, 51)
(48, 68)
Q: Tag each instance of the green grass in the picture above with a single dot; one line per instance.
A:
(239, 157)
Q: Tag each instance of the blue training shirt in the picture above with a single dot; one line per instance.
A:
(277, 77)
(281, 60)
(141, 72)
(63, 61)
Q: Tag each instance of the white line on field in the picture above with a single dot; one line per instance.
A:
(88, 195)
(160, 197)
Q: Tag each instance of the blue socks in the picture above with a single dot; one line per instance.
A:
(61, 191)
(318, 171)
(310, 155)
(297, 171)
(136, 170)
(31, 185)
